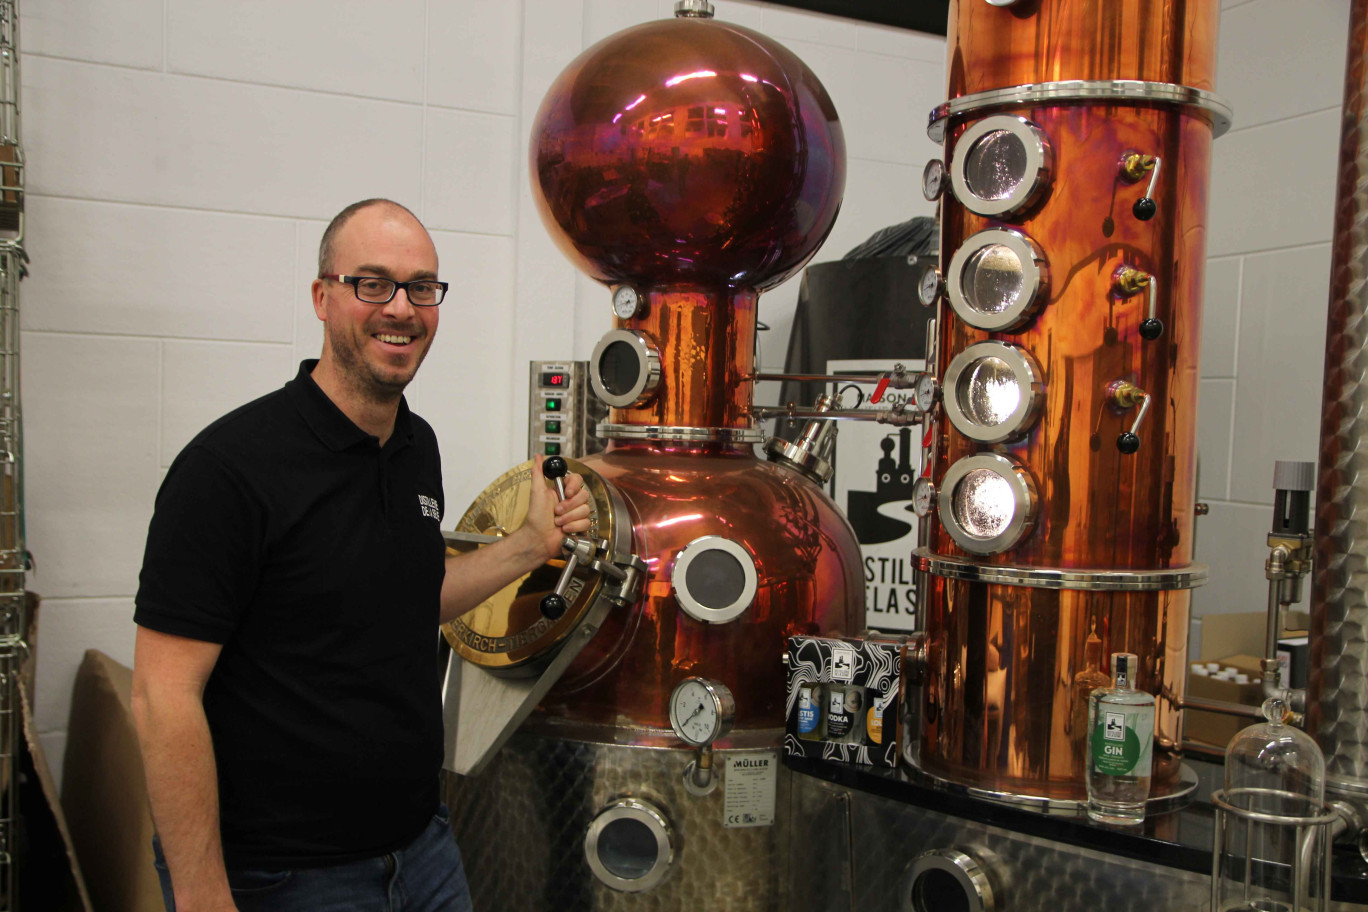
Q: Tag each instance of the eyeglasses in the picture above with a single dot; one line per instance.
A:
(375, 290)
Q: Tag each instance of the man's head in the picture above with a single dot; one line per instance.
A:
(373, 349)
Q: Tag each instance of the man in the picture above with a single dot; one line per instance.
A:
(285, 682)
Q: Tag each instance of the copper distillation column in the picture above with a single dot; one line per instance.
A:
(689, 165)
(1074, 195)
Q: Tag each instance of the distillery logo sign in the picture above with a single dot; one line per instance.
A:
(876, 466)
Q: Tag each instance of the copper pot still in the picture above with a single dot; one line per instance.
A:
(698, 163)
(689, 165)
(1077, 156)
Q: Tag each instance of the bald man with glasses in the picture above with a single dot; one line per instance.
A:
(286, 689)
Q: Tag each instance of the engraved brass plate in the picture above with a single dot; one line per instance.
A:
(508, 630)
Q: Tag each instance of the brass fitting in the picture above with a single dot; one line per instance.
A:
(1127, 280)
(1135, 166)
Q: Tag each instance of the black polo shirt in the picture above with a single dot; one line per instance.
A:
(315, 556)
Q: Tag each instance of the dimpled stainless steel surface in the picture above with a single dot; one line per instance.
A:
(521, 826)
(1338, 688)
(867, 842)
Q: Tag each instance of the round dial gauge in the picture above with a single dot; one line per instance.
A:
(626, 302)
(701, 711)
(925, 393)
(933, 180)
(930, 288)
(923, 496)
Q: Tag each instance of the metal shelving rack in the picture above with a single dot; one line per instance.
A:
(14, 619)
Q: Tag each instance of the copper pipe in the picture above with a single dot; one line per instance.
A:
(1054, 40)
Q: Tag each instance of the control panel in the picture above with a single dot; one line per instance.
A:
(562, 410)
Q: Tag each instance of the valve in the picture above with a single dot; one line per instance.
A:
(1134, 167)
(553, 604)
(1128, 281)
(1127, 395)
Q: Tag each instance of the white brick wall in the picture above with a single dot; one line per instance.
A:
(184, 156)
(1268, 277)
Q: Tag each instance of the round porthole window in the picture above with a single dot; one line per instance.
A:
(948, 880)
(625, 368)
(714, 579)
(630, 846)
(993, 392)
(1001, 165)
(987, 503)
(998, 279)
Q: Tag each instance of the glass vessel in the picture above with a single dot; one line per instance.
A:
(1120, 745)
(1273, 831)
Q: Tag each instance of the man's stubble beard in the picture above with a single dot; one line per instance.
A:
(362, 378)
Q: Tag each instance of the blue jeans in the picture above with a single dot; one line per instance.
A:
(424, 876)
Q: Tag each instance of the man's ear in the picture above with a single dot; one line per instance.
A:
(317, 289)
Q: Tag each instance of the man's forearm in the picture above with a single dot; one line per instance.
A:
(182, 787)
(474, 576)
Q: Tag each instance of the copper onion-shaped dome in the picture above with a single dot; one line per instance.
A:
(688, 152)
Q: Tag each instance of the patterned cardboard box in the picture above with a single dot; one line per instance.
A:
(843, 700)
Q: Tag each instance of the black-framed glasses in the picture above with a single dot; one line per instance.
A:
(377, 290)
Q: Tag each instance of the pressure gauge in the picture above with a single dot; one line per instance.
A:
(626, 302)
(933, 180)
(930, 287)
(925, 392)
(701, 711)
(923, 496)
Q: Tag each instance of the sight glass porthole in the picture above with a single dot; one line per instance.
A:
(993, 392)
(987, 503)
(997, 280)
(714, 579)
(630, 846)
(626, 368)
(1001, 165)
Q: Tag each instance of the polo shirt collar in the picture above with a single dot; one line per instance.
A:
(330, 423)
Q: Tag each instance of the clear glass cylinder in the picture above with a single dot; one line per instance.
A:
(1273, 832)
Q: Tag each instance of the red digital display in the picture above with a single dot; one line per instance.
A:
(557, 380)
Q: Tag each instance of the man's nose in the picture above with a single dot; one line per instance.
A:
(399, 305)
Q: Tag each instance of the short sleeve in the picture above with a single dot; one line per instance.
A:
(204, 551)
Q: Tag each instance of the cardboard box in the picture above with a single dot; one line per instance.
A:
(1235, 640)
(104, 793)
(843, 699)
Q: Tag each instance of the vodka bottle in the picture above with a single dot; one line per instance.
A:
(1120, 746)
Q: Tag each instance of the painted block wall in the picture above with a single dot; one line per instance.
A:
(1268, 278)
(184, 158)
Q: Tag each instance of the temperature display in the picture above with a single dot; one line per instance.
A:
(555, 379)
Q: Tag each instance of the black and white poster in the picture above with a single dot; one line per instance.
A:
(876, 466)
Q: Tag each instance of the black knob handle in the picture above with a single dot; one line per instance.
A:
(1144, 209)
(553, 606)
(1127, 443)
(1151, 328)
(555, 467)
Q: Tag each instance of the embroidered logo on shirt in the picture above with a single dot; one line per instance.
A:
(428, 506)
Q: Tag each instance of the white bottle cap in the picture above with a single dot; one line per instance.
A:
(1241, 679)
(1200, 670)
(1213, 666)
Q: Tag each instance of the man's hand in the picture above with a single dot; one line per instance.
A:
(476, 575)
(551, 518)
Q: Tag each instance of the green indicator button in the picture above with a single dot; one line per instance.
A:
(552, 449)
(553, 427)
(553, 404)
